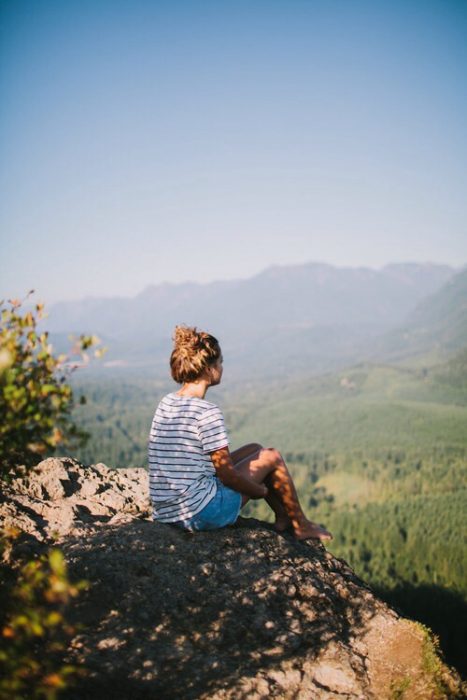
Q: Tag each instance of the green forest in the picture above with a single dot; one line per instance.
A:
(379, 456)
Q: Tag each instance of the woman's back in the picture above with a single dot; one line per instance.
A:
(181, 474)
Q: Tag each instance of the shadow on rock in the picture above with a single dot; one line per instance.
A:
(171, 614)
(241, 612)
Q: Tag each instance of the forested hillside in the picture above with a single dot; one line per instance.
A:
(436, 327)
(379, 454)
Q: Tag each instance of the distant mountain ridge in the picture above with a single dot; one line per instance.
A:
(314, 314)
(438, 323)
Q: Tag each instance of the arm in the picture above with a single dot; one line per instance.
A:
(230, 477)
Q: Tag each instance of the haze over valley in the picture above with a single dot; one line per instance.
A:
(312, 317)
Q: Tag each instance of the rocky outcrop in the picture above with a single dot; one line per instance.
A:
(242, 612)
(59, 495)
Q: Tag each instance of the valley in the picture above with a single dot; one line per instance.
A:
(378, 453)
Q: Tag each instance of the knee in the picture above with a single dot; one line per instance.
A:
(271, 455)
(252, 448)
(255, 447)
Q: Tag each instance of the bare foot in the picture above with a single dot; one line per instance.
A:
(312, 531)
(282, 523)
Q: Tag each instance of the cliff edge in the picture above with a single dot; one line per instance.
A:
(237, 613)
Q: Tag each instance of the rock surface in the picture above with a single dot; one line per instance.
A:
(237, 613)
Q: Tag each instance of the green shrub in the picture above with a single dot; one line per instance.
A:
(36, 400)
(36, 403)
(35, 632)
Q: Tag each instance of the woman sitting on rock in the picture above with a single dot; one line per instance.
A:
(195, 481)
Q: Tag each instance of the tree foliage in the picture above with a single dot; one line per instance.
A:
(36, 400)
(36, 404)
(35, 632)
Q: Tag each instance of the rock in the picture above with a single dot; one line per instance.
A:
(46, 480)
(335, 678)
(60, 494)
(231, 614)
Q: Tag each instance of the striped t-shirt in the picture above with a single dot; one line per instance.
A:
(181, 474)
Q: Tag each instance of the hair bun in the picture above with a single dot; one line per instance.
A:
(193, 351)
(186, 338)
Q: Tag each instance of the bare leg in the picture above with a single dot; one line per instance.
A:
(267, 466)
(246, 454)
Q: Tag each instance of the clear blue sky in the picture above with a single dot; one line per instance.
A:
(145, 141)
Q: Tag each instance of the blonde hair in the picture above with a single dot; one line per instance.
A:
(194, 351)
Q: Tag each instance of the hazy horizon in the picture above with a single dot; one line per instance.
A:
(36, 296)
(143, 142)
(455, 268)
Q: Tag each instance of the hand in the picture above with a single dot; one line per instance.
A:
(264, 492)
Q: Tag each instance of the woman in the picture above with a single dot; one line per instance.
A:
(195, 481)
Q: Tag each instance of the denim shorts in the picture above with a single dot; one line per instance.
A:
(221, 510)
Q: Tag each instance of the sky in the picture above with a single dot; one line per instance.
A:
(144, 141)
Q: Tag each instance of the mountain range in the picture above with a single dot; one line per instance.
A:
(310, 317)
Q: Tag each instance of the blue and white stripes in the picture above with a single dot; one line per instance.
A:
(181, 474)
